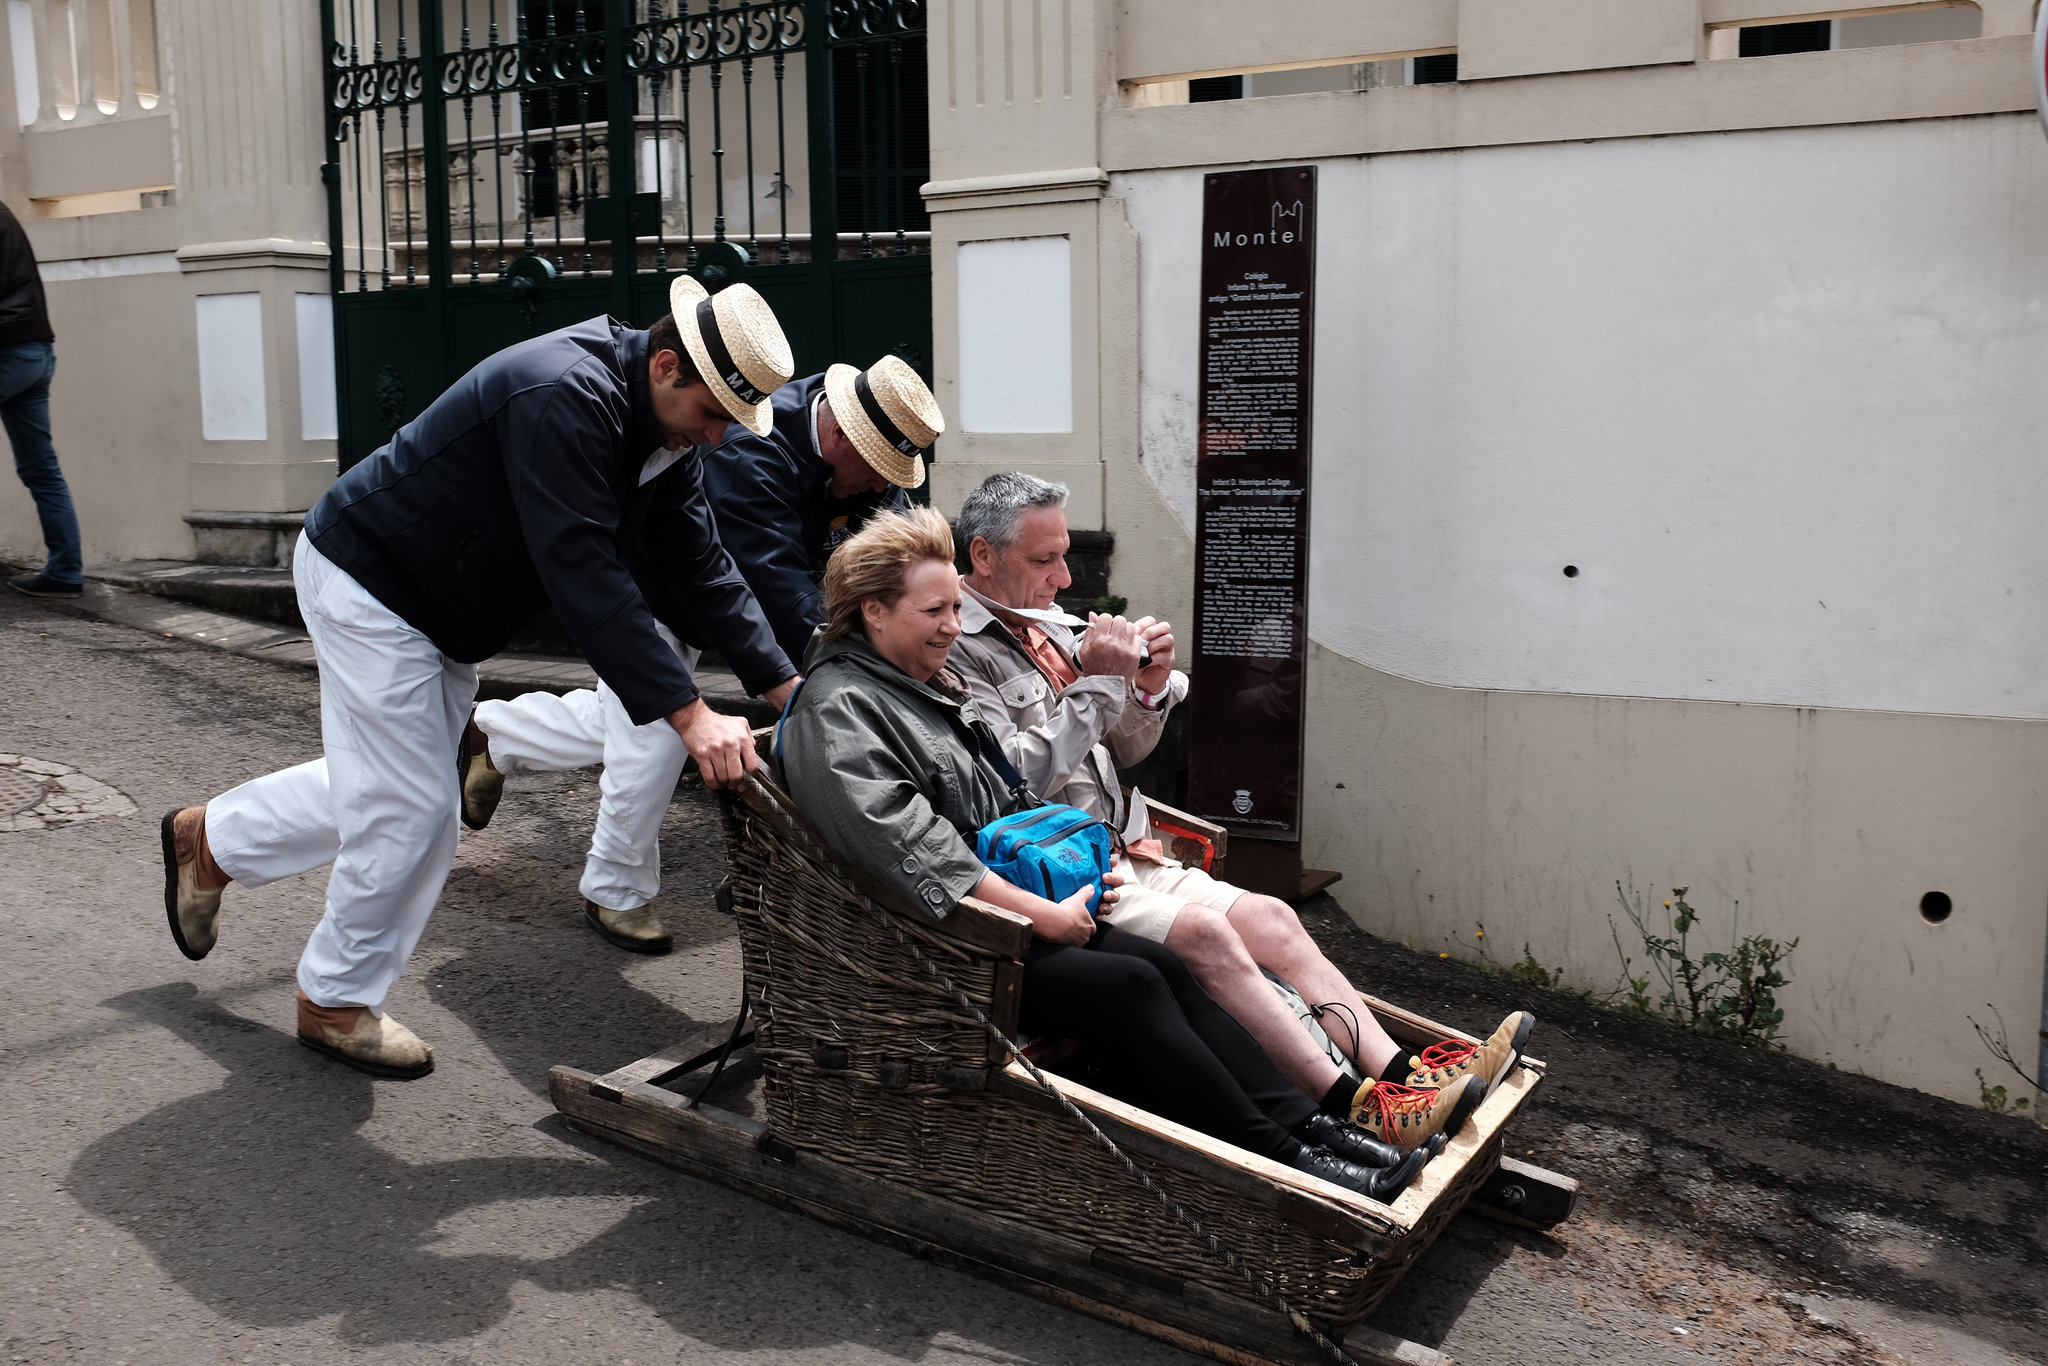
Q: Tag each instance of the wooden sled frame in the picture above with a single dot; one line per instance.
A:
(1098, 1270)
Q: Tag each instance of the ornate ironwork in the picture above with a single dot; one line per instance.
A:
(671, 42)
(617, 141)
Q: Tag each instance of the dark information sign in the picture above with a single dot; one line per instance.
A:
(1251, 509)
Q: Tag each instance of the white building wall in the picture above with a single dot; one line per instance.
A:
(1775, 395)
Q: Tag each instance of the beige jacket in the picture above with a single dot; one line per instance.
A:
(1067, 745)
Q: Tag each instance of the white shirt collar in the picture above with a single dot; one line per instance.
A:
(660, 461)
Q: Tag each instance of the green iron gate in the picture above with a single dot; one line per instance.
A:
(500, 168)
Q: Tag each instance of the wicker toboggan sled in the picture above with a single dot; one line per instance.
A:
(889, 1111)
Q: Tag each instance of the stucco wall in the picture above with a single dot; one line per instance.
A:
(1772, 394)
(121, 421)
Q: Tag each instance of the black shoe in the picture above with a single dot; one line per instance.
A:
(1374, 1183)
(1351, 1144)
(38, 586)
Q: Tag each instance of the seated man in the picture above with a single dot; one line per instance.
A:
(842, 445)
(1068, 711)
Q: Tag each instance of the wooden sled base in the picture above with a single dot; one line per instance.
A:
(631, 1108)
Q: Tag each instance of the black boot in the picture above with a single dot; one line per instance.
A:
(1349, 1143)
(1374, 1183)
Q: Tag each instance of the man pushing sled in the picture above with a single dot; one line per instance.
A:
(527, 483)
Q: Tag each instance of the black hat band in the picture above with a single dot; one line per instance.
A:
(721, 359)
(890, 432)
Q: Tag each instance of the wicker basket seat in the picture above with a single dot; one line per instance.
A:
(870, 1063)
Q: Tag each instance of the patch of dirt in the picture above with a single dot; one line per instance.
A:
(1728, 1191)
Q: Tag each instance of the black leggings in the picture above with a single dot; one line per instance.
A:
(1183, 1056)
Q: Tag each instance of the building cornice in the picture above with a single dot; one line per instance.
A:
(261, 253)
(1006, 191)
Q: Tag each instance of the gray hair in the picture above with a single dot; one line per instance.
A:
(999, 502)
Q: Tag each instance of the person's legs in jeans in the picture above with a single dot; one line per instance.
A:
(25, 372)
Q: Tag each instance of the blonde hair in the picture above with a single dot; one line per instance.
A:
(876, 562)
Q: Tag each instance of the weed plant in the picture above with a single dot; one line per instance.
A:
(1728, 994)
(1995, 1098)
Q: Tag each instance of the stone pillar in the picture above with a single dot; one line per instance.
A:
(1015, 200)
(170, 181)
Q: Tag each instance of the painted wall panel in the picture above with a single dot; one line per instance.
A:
(1771, 393)
(318, 419)
(231, 391)
(1016, 335)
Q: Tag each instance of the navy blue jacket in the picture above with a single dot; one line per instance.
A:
(520, 487)
(773, 499)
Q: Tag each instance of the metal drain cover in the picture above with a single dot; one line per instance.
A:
(36, 794)
(18, 791)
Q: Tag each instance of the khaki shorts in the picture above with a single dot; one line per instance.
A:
(1148, 902)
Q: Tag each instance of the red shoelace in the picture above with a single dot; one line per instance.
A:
(1391, 1100)
(1449, 1053)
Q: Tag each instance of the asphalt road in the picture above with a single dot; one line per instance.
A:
(181, 1182)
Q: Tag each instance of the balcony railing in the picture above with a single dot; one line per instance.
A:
(95, 61)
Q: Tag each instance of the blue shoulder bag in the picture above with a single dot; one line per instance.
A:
(1052, 849)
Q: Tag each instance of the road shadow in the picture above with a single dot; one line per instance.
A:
(538, 987)
(264, 1200)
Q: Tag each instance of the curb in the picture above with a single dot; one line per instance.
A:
(108, 598)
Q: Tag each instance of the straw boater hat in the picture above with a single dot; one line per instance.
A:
(888, 414)
(736, 345)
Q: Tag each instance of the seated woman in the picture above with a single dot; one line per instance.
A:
(884, 752)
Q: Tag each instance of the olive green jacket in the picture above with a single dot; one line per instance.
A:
(890, 771)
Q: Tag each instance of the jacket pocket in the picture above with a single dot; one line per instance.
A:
(1023, 690)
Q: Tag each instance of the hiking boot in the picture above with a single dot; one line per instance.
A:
(1408, 1117)
(43, 586)
(1440, 1064)
(637, 931)
(1374, 1183)
(192, 882)
(363, 1039)
(482, 784)
(1354, 1144)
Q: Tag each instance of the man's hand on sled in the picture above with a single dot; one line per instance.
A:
(1110, 647)
(723, 746)
(1158, 639)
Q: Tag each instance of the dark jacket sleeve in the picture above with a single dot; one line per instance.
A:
(757, 496)
(558, 444)
(682, 548)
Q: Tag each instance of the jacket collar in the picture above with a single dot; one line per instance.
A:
(853, 651)
(644, 432)
(976, 619)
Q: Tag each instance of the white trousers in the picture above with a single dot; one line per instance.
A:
(541, 732)
(381, 807)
